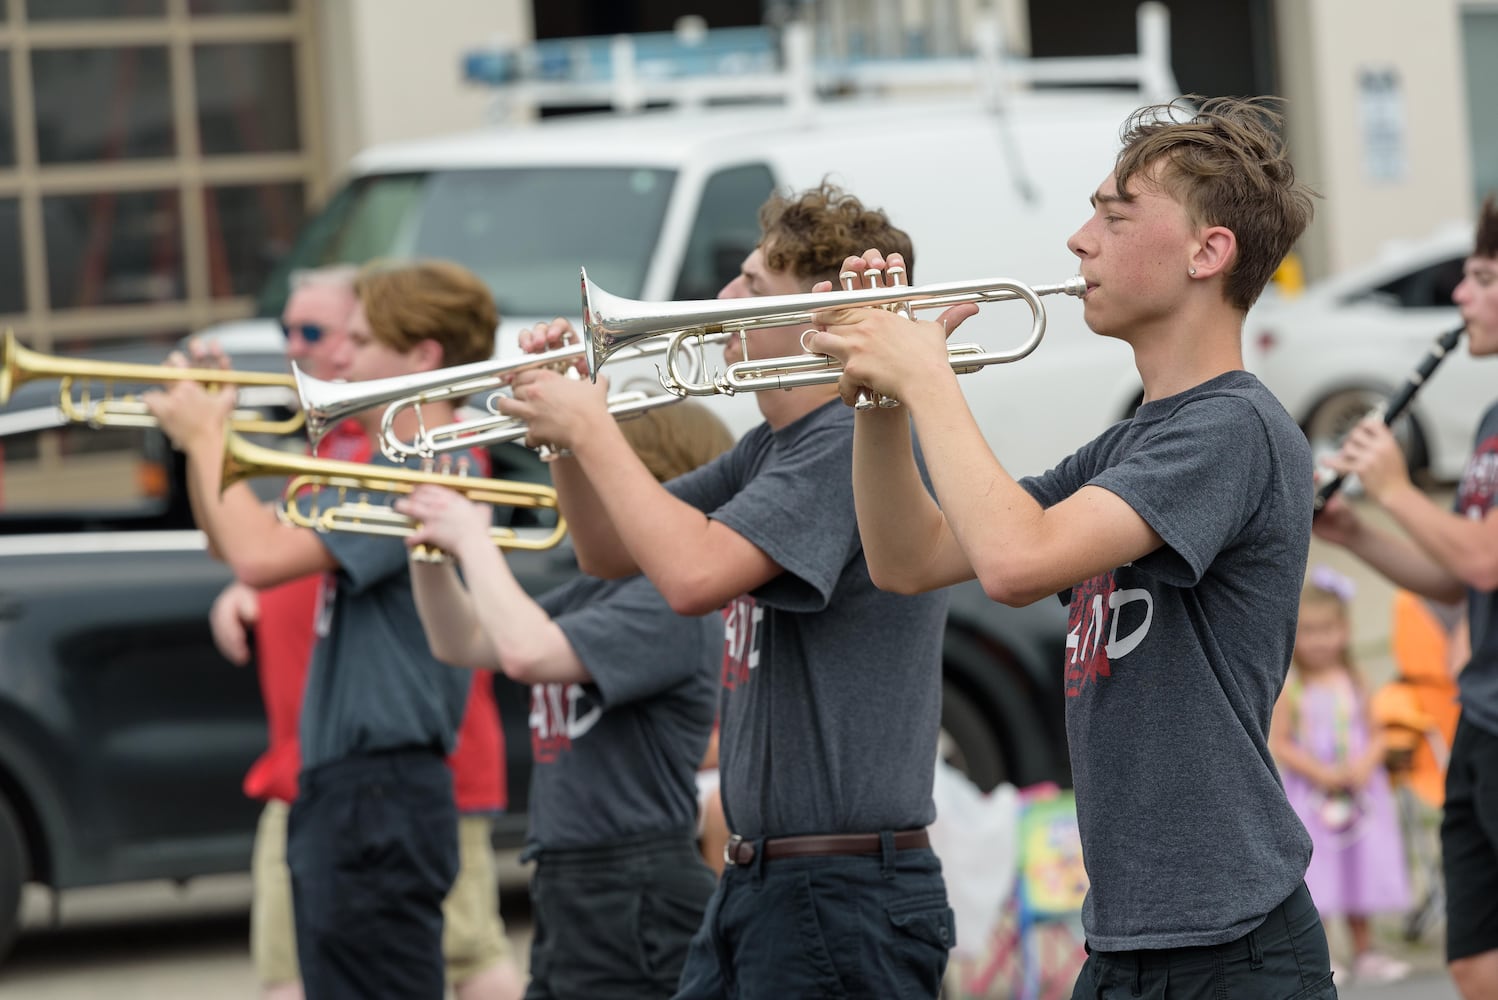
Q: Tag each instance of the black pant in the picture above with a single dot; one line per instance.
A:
(1284, 958)
(1469, 842)
(615, 921)
(373, 849)
(846, 926)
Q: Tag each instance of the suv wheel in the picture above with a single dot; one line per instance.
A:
(13, 871)
(1334, 417)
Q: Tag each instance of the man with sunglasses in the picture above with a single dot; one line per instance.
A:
(479, 960)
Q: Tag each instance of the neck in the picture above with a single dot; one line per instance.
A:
(783, 407)
(1188, 349)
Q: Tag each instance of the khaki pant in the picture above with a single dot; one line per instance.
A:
(473, 936)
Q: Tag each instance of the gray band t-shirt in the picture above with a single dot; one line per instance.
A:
(618, 757)
(373, 683)
(831, 695)
(1174, 664)
(1478, 681)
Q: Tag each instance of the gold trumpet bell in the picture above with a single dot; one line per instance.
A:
(19, 365)
(356, 511)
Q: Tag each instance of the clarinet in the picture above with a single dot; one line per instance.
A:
(1400, 401)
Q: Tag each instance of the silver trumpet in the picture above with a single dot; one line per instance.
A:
(329, 402)
(613, 324)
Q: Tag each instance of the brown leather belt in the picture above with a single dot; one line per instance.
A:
(739, 851)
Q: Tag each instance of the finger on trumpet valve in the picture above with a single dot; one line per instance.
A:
(867, 399)
(849, 280)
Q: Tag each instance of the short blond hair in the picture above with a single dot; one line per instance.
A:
(434, 300)
(674, 439)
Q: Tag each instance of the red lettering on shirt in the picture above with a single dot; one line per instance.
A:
(741, 621)
(1096, 613)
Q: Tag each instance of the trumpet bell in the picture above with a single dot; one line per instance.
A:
(77, 378)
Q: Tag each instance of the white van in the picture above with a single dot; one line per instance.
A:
(662, 205)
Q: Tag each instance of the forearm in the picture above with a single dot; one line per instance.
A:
(526, 643)
(1404, 563)
(447, 617)
(595, 540)
(1465, 549)
(901, 527)
(998, 527)
(653, 526)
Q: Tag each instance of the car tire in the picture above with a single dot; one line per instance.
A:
(1332, 419)
(13, 873)
(968, 741)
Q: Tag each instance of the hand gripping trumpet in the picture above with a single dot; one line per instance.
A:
(78, 377)
(326, 403)
(612, 323)
(356, 511)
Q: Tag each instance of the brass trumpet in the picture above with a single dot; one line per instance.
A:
(612, 323)
(327, 403)
(355, 481)
(19, 365)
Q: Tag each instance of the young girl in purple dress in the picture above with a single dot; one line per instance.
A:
(1331, 758)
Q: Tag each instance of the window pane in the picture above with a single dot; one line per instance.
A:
(113, 248)
(523, 230)
(73, 10)
(102, 104)
(239, 6)
(726, 230)
(7, 115)
(12, 290)
(246, 97)
(1480, 44)
(249, 229)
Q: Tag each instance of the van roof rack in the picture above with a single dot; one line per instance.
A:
(697, 66)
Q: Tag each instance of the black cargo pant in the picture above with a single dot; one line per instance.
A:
(1284, 958)
(373, 849)
(613, 922)
(859, 927)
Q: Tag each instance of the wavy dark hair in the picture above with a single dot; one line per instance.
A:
(809, 233)
(1224, 160)
(1486, 243)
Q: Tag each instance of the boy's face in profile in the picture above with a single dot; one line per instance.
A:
(1135, 254)
(1477, 297)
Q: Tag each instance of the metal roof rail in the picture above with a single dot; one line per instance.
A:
(694, 66)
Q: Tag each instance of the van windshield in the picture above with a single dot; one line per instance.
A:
(525, 231)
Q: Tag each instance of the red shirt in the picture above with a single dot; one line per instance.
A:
(284, 638)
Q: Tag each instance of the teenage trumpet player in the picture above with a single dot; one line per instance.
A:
(1449, 555)
(373, 833)
(831, 695)
(1179, 537)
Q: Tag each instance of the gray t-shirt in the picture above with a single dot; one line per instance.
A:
(618, 757)
(831, 695)
(1175, 661)
(373, 683)
(1478, 682)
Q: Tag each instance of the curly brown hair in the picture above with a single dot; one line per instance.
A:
(675, 439)
(808, 234)
(429, 300)
(1224, 160)
(1486, 243)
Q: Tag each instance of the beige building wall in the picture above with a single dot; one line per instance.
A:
(1402, 180)
(391, 71)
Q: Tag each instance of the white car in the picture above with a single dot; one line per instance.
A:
(1345, 345)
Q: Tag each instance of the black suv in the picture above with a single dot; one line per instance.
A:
(124, 736)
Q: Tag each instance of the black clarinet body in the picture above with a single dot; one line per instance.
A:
(1400, 401)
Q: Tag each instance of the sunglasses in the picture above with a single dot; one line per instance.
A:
(311, 332)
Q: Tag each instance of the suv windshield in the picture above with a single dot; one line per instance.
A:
(525, 231)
